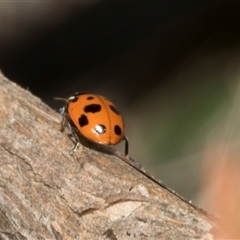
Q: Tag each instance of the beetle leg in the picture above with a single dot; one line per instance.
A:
(63, 114)
(126, 147)
(76, 138)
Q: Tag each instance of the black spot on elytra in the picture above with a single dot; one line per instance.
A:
(100, 129)
(92, 108)
(83, 120)
(114, 109)
(90, 98)
(117, 130)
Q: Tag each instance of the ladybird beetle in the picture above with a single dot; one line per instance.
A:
(93, 117)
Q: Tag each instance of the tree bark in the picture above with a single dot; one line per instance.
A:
(45, 193)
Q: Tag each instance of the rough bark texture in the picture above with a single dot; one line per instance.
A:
(45, 193)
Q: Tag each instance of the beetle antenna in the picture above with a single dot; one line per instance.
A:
(60, 99)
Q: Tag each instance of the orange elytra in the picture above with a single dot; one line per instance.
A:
(95, 118)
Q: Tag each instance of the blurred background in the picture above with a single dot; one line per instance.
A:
(171, 67)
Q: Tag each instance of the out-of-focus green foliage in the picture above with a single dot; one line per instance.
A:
(176, 122)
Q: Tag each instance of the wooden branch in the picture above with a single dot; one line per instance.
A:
(45, 193)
